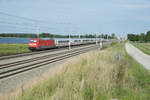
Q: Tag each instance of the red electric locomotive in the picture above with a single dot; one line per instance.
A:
(40, 44)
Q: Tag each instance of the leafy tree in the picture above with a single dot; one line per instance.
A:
(142, 37)
(148, 36)
(113, 36)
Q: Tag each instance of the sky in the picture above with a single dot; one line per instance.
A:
(75, 16)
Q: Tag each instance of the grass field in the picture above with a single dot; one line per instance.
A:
(145, 47)
(97, 75)
(7, 49)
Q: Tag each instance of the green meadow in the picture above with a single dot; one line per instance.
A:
(144, 47)
(8, 49)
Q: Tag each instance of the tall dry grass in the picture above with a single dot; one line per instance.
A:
(97, 75)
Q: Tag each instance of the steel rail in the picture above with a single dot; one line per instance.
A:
(4, 66)
(51, 58)
(39, 52)
(39, 64)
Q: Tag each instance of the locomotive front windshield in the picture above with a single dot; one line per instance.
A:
(33, 41)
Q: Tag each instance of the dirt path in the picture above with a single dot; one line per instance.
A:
(138, 55)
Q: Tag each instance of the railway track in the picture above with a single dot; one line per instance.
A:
(3, 66)
(34, 53)
(10, 69)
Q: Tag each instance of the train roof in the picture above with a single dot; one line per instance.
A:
(41, 38)
(63, 38)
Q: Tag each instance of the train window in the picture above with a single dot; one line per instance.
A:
(63, 41)
(33, 41)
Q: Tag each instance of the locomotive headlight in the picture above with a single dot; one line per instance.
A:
(32, 44)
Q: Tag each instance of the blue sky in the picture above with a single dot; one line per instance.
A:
(77, 16)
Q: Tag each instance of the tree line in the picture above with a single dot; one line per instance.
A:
(49, 35)
(139, 37)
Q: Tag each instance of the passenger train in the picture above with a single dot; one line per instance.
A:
(41, 44)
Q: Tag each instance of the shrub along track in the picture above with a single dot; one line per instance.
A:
(11, 69)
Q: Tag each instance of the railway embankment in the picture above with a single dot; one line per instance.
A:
(98, 75)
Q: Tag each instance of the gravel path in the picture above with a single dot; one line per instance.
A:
(138, 55)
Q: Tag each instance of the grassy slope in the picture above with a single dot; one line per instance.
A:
(6, 49)
(95, 76)
(145, 47)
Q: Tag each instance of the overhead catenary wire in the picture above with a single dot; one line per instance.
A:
(10, 21)
(32, 20)
(21, 27)
(16, 23)
(27, 25)
(19, 17)
(17, 30)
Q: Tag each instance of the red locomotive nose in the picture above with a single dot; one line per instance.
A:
(33, 44)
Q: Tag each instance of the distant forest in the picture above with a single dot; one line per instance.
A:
(140, 38)
(48, 35)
